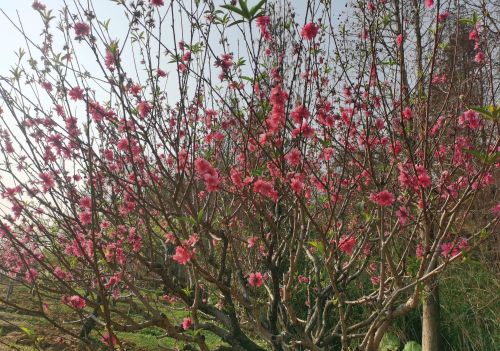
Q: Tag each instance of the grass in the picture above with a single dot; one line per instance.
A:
(15, 337)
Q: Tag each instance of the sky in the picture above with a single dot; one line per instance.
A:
(21, 11)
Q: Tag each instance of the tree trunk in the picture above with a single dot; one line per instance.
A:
(430, 319)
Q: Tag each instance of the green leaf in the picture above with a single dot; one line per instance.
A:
(488, 112)
(244, 9)
(256, 8)
(236, 22)
(389, 342)
(412, 346)
(466, 21)
(249, 79)
(233, 9)
(487, 159)
(27, 331)
(199, 216)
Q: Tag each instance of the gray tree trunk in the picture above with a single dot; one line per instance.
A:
(431, 319)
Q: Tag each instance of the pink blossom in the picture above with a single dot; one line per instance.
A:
(47, 181)
(76, 93)
(297, 184)
(496, 210)
(265, 188)
(399, 40)
(182, 255)
(443, 16)
(423, 178)
(122, 144)
(263, 24)
(299, 114)
(208, 173)
(85, 202)
(403, 215)
(347, 244)
(59, 273)
(383, 198)
(31, 275)
(407, 113)
(419, 252)
(109, 60)
(143, 109)
(85, 217)
(473, 35)
(479, 58)
(429, 3)
(293, 157)
(186, 323)
(309, 31)
(157, 2)
(255, 280)
(446, 249)
(303, 280)
(251, 241)
(75, 301)
(81, 29)
(107, 340)
(37, 5)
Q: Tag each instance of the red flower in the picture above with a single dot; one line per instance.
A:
(143, 108)
(429, 3)
(293, 157)
(383, 198)
(186, 323)
(300, 113)
(182, 255)
(303, 279)
(107, 340)
(76, 93)
(309, 31)
(109, 60)
(157, 2)
(75, 301)
(208, 173)
(403, 215)
(347, 244)
(263, 22)
(81, 29)
(85, 217)
(399, 40)
(47, 180)
(265, 188)
(479, 58)
(496, 210)
(407, 113)
(37, 5)
(251, 241)
(255, 280)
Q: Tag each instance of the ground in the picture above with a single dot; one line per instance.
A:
(23, 331)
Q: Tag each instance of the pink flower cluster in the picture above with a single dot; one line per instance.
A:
(206, 172)
(182, 255)
(265, 188)
(309, 31)
(263, 24)
(474, 36)
(383, 198)
(74, 301)
(277, 116)
(255, 280)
